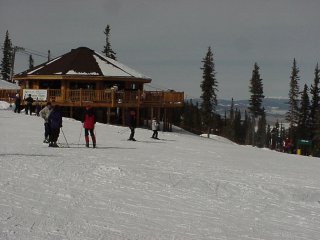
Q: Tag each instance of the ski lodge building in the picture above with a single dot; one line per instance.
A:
(83, 76)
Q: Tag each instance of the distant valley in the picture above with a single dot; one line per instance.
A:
(276, 108)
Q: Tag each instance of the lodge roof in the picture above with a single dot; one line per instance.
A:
(8, 85)
(83, 62)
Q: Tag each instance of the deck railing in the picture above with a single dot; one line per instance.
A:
(112, 98)
(106, 97)
(8, 95)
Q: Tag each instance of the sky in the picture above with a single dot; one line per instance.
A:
(198, 188)
(167, 40)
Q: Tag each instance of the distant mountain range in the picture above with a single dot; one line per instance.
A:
(276, 108)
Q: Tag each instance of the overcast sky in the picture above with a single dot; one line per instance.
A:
(167, 40)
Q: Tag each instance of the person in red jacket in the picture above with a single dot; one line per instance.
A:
(89, 120)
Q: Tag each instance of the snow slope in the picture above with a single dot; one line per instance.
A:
(180, 187)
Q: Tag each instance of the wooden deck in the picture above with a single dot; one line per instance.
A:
(107, 98)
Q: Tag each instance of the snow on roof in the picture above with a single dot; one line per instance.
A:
(118, 65)
(84, 61)
(8, 85)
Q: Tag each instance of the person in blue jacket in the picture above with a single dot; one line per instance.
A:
(55, 123)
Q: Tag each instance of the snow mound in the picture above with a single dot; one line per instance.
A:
(5, 106)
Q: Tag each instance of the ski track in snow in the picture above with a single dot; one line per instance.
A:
(181, 187)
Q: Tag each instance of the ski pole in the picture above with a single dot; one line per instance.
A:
(65, 138)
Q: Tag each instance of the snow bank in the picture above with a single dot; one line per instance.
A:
(5, 105)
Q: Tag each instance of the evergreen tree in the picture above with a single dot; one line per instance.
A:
(249, 125)
(230, 129)
(268, 137)
(292, 115)
(275, 136)
(31, 62)
(107, 50)
(6, 63)
(237, 128)
(209, 90)
(304, 123)
(197, 117)
(261, 135)
(256, 89)
(315, 113)
(315, 98)
(316, 136)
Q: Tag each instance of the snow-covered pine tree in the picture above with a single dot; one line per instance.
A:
(6, 62)
(209, 87)
(107, 50)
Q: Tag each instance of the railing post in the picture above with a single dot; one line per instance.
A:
(112, 97)
(80, 97)
(139, 97)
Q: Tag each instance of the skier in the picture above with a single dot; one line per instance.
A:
(55, 123)
(155, 127)
(132, 124)
(17, 103)
(29, 101)
(89, 120)
(44, 113)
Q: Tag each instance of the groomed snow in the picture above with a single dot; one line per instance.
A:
(180, 187)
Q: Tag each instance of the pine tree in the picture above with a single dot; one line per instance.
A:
(229, 128)
(292, 115)
(6, 63)
(249, 125)
(107, 48)
(256, 89)
(315, 112)
(237, 127)
(209, 90)
(275, 136)
(31, 62)
(261, 132)
(315, 98)
(304, 123)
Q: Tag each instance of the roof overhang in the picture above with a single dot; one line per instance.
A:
(79, 78)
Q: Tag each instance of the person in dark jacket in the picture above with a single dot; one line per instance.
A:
(17, 103)
(132, 122)
(89, 121)
(29, 101)
(55, 123)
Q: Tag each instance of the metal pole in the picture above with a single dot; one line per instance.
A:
(65, 138)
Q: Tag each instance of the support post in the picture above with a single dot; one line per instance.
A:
(108, 115)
